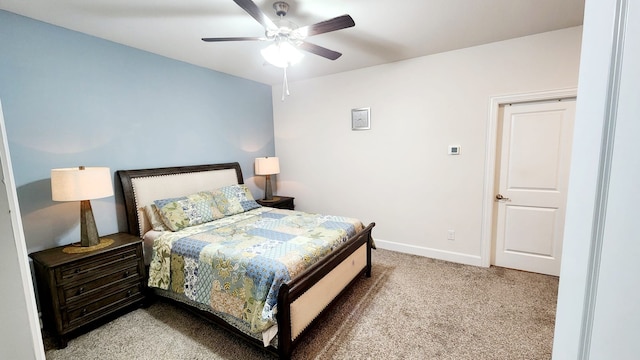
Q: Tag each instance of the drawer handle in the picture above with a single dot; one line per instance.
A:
(78, 270)
(81, 290)
(83, 312)
(126, 273)
(129, 293)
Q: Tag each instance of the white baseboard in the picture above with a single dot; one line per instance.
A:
(429, 252)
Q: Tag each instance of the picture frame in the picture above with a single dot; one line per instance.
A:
(361, 119)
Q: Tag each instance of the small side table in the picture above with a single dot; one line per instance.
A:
(280, 202)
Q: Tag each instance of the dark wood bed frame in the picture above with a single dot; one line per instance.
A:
(289, 291)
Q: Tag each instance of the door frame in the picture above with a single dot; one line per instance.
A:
(486, 243)
(23, 271)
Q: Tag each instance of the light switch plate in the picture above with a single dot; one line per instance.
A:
(454, 149)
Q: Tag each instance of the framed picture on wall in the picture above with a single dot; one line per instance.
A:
(361, 119)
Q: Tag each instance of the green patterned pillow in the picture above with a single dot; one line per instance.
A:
(181, 212)
(234, 199)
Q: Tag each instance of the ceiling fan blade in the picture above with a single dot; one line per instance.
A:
(233, 39)
(340, 22)
(319, 50)
(252, 9)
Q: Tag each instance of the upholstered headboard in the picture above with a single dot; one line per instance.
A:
(141, 187)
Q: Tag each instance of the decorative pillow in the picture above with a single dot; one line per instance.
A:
(179, 213)
(155, 219)
(234, 199)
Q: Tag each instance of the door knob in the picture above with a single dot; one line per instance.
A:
(500, 197)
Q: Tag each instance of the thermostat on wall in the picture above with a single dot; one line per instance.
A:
(454, 149)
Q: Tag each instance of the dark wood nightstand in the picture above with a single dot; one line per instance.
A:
(78, 289)
(280, 202)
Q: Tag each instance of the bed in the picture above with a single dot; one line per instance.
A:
(211, 247)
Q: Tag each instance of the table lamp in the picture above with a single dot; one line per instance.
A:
(267, 166)
(82, 184)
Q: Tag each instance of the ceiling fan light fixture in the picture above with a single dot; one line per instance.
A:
(287, 38)
(281, 54)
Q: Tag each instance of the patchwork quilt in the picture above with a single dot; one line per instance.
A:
(236, 264)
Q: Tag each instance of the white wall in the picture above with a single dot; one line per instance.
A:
(398, 174)
(598, 298)
(20, 336)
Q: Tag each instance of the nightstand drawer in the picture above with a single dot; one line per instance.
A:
(78, 292)
(94, 266)
(80, 315)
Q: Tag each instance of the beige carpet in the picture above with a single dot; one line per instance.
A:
(411, 308)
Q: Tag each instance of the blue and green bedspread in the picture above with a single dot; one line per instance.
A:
(236, 264)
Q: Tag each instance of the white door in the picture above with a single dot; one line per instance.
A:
(532, 186)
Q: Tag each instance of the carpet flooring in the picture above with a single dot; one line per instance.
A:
(411, 308)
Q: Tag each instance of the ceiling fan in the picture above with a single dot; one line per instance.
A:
(286, 35)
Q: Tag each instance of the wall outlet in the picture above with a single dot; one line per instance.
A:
(451, 235)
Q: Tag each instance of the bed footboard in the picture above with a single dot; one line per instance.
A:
(303, 299)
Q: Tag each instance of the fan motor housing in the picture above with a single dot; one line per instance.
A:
(281, 8)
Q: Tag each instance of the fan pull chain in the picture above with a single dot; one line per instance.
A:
(285, 84)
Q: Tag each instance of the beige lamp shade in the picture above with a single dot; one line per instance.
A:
(267, 166)
(81, 183)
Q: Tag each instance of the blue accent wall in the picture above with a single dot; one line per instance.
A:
(71, 99)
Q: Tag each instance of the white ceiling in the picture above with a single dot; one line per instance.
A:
(386, 30)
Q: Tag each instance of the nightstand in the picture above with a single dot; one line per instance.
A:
(280, 202)
(78, 289)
